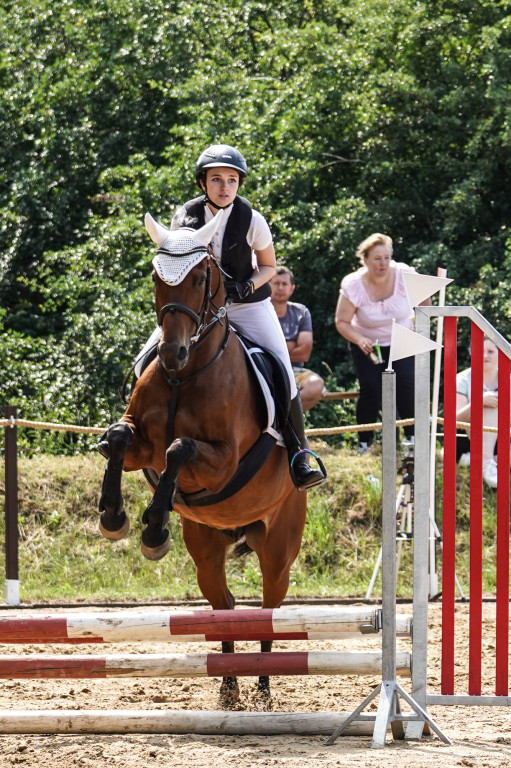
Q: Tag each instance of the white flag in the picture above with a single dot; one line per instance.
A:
(406, 343)
(421, 287)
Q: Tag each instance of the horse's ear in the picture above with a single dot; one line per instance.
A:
(157, 232)
(205, 233)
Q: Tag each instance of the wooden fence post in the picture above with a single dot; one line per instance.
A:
(12, 584)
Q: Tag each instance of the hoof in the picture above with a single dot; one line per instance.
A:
(117, 535)
(262, 701)
(157, 552)
(229, 694)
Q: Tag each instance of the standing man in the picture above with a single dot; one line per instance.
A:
(295, 320)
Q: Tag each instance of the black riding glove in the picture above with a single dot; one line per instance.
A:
(239, 291)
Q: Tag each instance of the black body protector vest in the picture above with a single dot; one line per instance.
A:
(236, 256)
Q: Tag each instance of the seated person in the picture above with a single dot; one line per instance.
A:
(295, 320)
(490, 412)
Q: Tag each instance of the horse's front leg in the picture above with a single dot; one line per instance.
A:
(155, 536)
(113, 521)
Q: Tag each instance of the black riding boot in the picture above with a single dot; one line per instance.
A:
(297, 449)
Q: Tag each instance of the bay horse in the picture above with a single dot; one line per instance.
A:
(194, 413)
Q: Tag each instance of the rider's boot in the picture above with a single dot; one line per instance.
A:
(302, 475)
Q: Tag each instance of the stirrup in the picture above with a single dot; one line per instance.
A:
(313, 484)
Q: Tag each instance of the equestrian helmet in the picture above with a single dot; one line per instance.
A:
(220, 156)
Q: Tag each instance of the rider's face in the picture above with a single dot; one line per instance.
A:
(221, 185)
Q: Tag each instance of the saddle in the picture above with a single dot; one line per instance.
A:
(271, 376)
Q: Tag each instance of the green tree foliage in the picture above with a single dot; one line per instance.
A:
(355, 117)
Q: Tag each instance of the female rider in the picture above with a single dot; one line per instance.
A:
(243, 244)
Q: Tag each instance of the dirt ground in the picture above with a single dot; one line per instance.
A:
(481, 736)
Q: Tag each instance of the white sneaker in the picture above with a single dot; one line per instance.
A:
(490, 473)
(363, 448)
(464, 460)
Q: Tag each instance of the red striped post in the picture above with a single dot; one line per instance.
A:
(502, 576)
(449, 505)
(476, 512)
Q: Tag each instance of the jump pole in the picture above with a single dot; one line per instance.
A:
(389, 710)
(74, 666)
(434, 534)
(308, 623)
(177, 721)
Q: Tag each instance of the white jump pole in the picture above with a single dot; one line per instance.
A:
(433, 576)
(176, 722)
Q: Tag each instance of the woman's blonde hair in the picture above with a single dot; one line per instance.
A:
(376, 239)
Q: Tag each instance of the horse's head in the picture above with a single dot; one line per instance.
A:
(182, 277)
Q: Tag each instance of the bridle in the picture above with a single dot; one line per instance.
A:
(202, 330)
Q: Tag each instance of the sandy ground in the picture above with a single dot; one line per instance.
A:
(481, 736)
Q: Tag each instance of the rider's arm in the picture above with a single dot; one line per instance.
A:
(266, 264)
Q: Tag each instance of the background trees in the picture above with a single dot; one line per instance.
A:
(360, 116)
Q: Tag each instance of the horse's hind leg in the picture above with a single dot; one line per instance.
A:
(113, 521)
(208, 548)
(277, 545)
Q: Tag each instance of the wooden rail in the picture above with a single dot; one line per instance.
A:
(339, 396)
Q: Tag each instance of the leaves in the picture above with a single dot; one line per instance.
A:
(354, 117)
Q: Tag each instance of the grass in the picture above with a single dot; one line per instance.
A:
(64, 558)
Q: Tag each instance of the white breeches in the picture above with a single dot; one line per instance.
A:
(258, 322)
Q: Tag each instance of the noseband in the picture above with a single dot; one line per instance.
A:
(176, 306)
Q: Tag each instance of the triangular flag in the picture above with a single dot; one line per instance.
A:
(406, 343)
(421, 287)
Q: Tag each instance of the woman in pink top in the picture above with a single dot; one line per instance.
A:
(369, 300)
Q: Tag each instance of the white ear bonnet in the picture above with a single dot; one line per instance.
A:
(179, 250)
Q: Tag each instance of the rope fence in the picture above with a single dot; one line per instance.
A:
(12, 422)
(313, 432)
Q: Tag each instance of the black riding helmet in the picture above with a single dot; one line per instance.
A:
(220, 156)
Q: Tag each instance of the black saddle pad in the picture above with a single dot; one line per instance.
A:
(274, 373)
